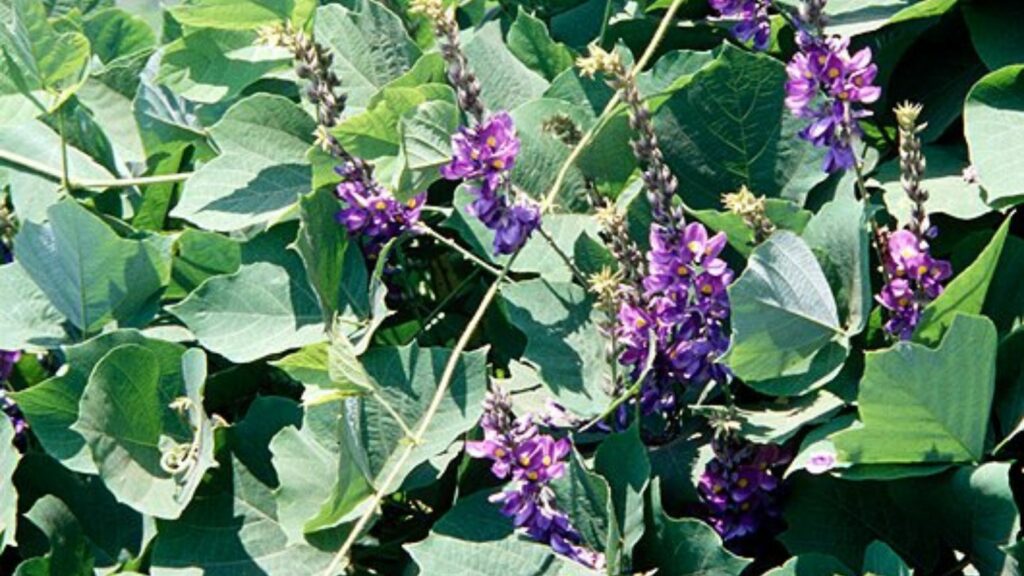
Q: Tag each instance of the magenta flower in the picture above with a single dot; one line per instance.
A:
(914, 279)
(753, 26)
(740, 487)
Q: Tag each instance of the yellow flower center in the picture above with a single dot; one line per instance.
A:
(922, 270)
(411, 202)
(640, 323)
(858, 81)
(474, 154)
(833, 72)
(694, 246)
(822, 59)
(524, 460)
(745, 506)
(908, 252)
(844, 95)
(498, 164)
(742, 482)
(499, 452)
(491, 141)
(707, 289)
(380, 205)
(809, 75)
(904, 301)
(546, 460)
(531, 475)
(682, 270)
(717, 488)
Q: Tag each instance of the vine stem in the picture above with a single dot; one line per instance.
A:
(58, 174)
(645, 58)
(428, 416)
(455, 246)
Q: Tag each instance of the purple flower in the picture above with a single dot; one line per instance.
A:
(913, 279)
(740, 487)
(753, 24)
(372, 212)
(531, 460)
(682, 309)
(827, 86)
(486, 153)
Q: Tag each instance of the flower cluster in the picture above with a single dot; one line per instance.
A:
(914, 280)
(682, 310)
(372, 211)
(753, 24)
(8, 358)
(486, 153)
(530, 461)
(740, 487)
(827, 86)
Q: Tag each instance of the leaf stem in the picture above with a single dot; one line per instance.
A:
(576, 272)
(656, 40)
(64, 182)
(423, 227)
(94, 183)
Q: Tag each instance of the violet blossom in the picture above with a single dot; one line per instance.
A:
(740, 487)
(828, 86)
(486, 153)
(683, 310)
(371, 211)
(914, 280)
(754, 24)
(530, 461)
(8, 359)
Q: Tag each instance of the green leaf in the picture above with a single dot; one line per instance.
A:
(426, 135)
(783, 418)
(406, 380)
(369, 45)
(882, 560)
(200, 255)
(586, 498)
(784, 318)
(52, 406)
(120, 417)
(9, 458)
(994, 128)
(729, 126)
(904, 399)
(993, 34)
(334, 264)
(542, 153)
(784, 214)
(69, 551)
(974, 511)
(838, 235)
(965, 294)
(948, 193)
(671, 72)
(622, 460)
(43, 58)
(562, 340)
(858, 513)
(811, 565)
(306, 460)
(505, 82)
(270, 304)
(344, 368)
(114, 33)
(91, 275)
(261, 171)
(209, 66)
(474, 539)
(686, 546)
(373, 133)
(529, 41)
(28, 318)
(242, 14)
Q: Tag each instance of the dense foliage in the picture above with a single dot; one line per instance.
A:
(510, 288)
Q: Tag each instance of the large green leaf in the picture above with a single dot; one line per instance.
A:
(28, 319)
(121, 419)
(994, 127)
(965, 294)
(729, 126)
(9, 458)
(262, 168)
(373, 134)
(69, 551)
(685, 546)
(474, 539)
(505, 82)
(210, 66)
(91, 275)
(563, 341)
(622, 461)
(528, 39)
(811, 565)
(262, 309)
(993, 32)
(784, 318)
(42, 57)
(904, 400)
(948, 192)
(334, 264)
(586, 499)
(406, 381)
(242, 15)
(369, 45)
